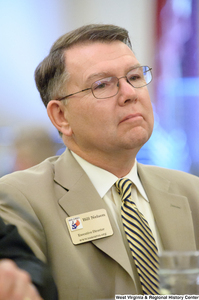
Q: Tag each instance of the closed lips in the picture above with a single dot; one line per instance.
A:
(133, 116)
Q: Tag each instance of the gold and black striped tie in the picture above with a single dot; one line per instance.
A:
(140, 238)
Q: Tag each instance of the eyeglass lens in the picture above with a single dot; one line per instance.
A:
(108, 87)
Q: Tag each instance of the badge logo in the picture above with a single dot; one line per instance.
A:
(75, 223)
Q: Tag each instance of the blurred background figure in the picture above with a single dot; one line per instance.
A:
(32, 146)
(28, 147)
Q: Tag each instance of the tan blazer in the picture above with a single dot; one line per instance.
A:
(39, 199)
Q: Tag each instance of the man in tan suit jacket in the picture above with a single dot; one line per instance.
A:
(103, 111)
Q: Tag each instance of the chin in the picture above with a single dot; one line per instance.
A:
(140, 138)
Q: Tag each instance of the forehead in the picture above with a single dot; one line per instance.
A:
(96, 57)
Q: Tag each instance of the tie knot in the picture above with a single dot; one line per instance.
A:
(123, 187)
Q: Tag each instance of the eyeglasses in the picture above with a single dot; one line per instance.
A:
(109, 87)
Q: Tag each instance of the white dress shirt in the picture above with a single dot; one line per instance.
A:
(104, 183)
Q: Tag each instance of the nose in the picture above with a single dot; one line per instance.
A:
(127, 93)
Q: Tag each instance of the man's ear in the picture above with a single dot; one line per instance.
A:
(56, 112)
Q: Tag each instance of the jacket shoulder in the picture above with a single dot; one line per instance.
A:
(175, 177)
(165, 171)
(41, 170)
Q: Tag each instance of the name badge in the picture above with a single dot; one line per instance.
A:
(89, 226)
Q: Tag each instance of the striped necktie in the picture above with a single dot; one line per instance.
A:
(140, 238)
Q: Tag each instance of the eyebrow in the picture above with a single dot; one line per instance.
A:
(94, 76)
(101, 75)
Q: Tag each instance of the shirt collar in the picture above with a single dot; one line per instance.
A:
(104, 180)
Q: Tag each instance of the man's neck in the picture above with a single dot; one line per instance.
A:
(119, 165)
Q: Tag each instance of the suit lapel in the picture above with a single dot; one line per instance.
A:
(171, 212)
(81, 197)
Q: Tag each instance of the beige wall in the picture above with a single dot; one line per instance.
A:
(136, 15)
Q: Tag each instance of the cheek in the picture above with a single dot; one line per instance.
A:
(147, 107)
(151, 114)
(147, 111)
(97, 113)
(150, 121)
(89, 115)
(87, 118)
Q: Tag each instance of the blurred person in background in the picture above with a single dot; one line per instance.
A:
(32, 146)
(98, 217)
(27, 147)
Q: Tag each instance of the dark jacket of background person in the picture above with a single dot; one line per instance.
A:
(13, 247)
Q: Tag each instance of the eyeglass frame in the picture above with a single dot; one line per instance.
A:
(149, 70)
